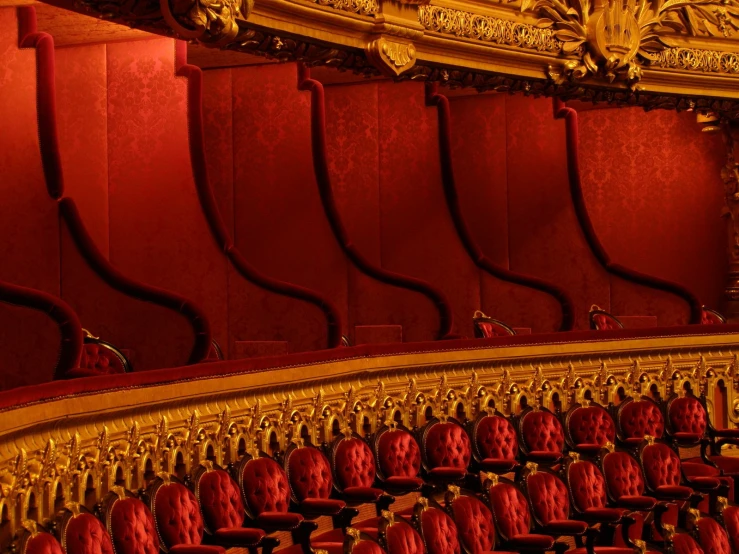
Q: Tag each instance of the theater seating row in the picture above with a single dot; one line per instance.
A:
(524, 484)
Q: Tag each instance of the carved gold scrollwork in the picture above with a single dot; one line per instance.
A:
(391, 56)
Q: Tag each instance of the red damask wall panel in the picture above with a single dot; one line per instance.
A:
(352, 137)
(418, 235)
(545, 238)
(653, 187)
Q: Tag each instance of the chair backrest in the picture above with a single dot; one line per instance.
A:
(637, 418)
(587, 428)
(682, 543)
(494, 436)
(396, 453)
(445, 444)
(510, 509)
(398, 537)
(711, 317)
(586, 484)
(622, 474)
(474, 522)
(601, 320)
(32, 539)
(540, 431)
(264, 486)
(129, 523)
(81, 532)
(687, 418)
(661, 465)
(308, 472)
(176, 513)
(731, 522)
(219, 498)
(487, 327)
(438, 531)
(352, 462)
(356, 542)
(712, 537)
(548, 496)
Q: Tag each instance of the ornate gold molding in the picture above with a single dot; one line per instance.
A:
(361, 7)
(488, 29)
(77, 448)
(393, 57)
(693, 59)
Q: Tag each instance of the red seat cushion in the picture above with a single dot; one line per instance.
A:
(362, 494)
(565, 527)
(705, 483)
(588, 448)
(608, 550)
(322, 506)
(727, 464)
(604, 515)
(699, 469)
(452, 473)
(687, 437)
(637, 502)
(279, 520)
(674, 492)
(239, 536)
(400, 483)
(197, 549)
(531, 541)
(726, 433)
(498, 465)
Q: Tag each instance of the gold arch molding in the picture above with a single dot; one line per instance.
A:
(77, 448)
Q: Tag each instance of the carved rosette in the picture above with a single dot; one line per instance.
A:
(392, 56)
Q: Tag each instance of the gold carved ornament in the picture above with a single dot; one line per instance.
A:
(212, 22)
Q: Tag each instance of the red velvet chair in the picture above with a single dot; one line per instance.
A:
(129, 523)
(398, 459)
(730, 519)
(637, 418)
(712, 538)
(512, 519)
(81, 532)
(445, 451)
(588, 428)
(688, 425)
(437, 529)
(494, 443)
(473, 519)
(711, 317)
(683, 543)
(309, 476)
(99, 358)
(357, 542)
(33, 539)
(354, 471)
(179, 522)
(541, 436)
(600, 320)
(487, 327)
(223, 511)
(588, 493)
(398, 537)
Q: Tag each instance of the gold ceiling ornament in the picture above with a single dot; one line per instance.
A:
(694, 59)
(488, 29)
(391, 56)
(612, 39)
(212, 22)
(361, 7)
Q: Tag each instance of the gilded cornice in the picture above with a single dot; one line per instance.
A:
(693, 59)
(77, 447)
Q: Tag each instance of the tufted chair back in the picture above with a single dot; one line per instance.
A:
(445, 445)
(102, 357)
(308, 473)
(600, 320)
(682, 543)
(494, 438)
(474, 523)
(623, 475)
(397, 453)
(731, 522)
(711, 317)
(356, 542)
(587, 485)
(637, 418)
(398, 537)
(548, 496)
(712, 537)
(438, 531)
(353, 463)
(510, 510)
(219, 498)
(130, 523)
(263, 485)
(588, 428)
(541, 435)
(176, 513)
(31, 539)
(82, 533)
(687, 419)
(487, 327)
(661, 466)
